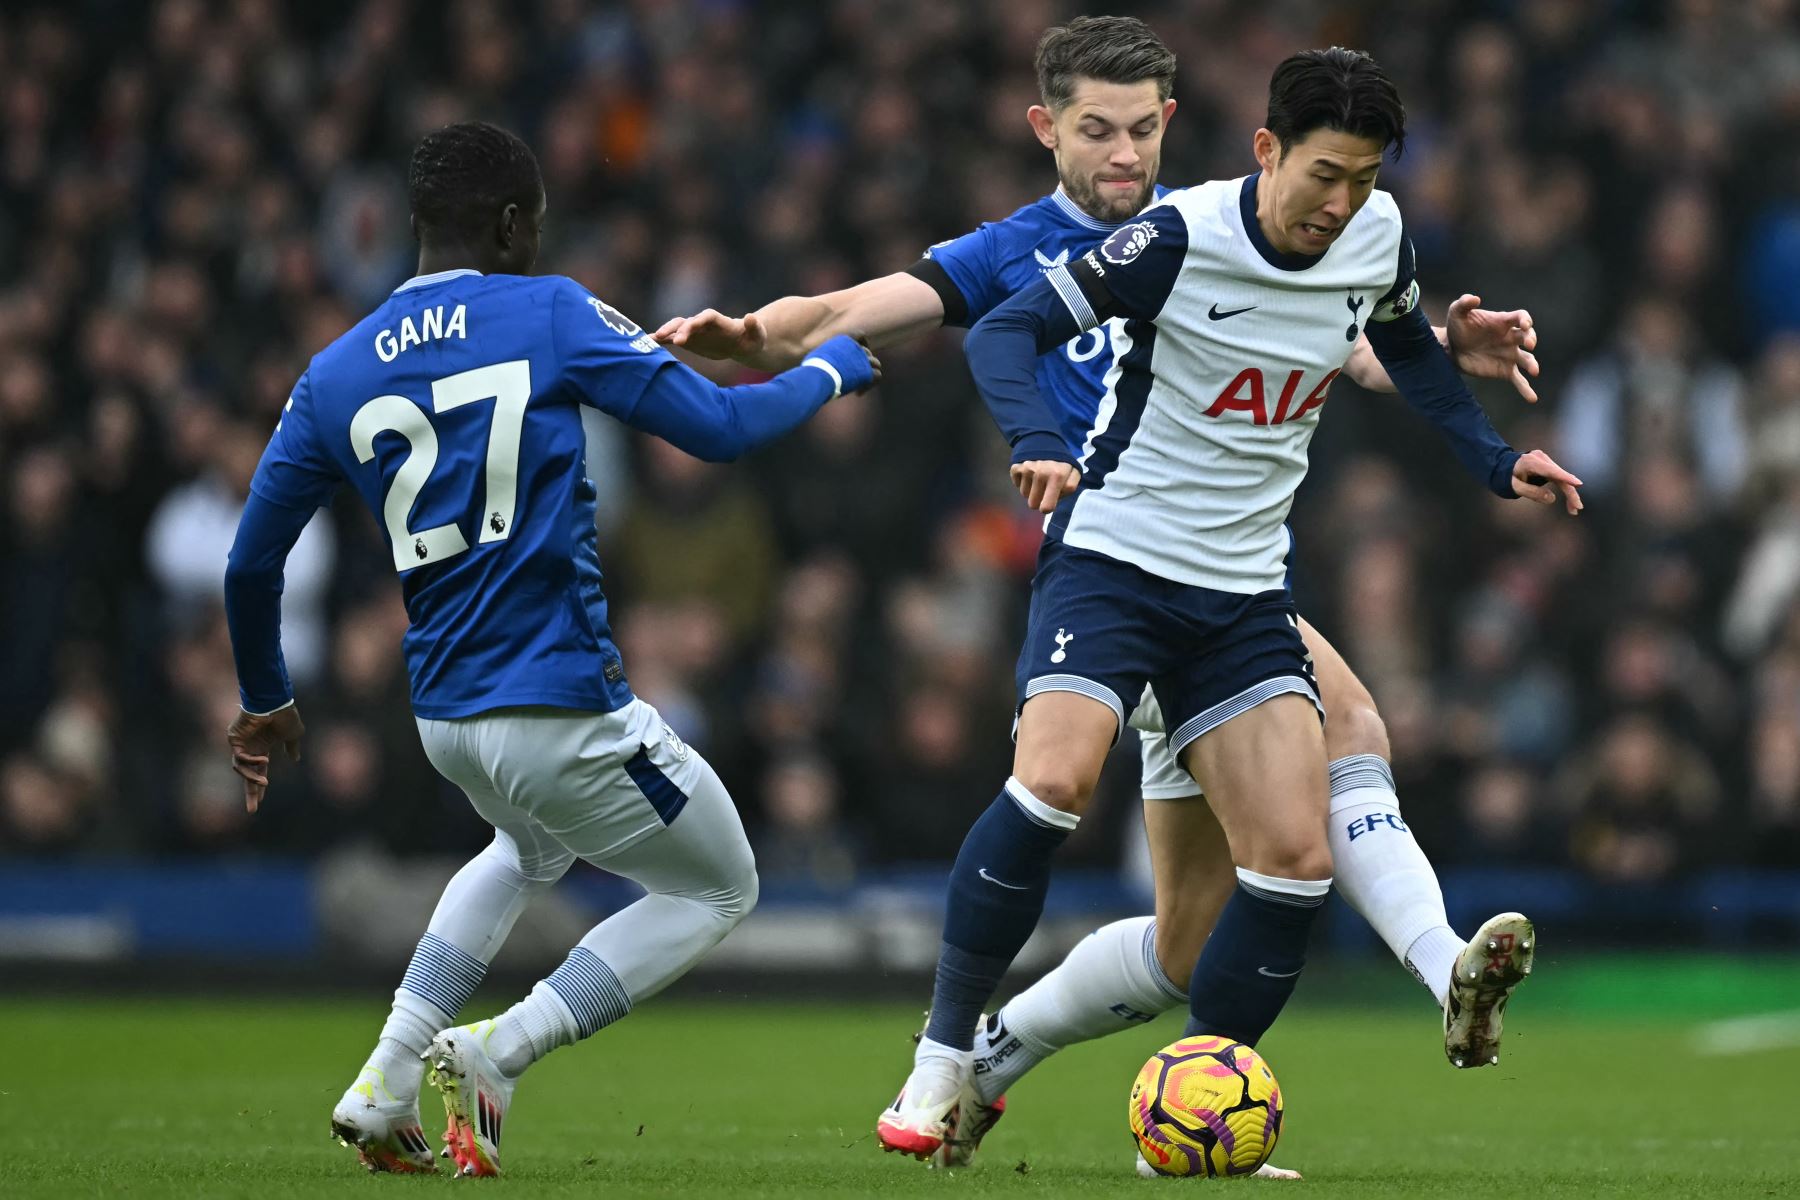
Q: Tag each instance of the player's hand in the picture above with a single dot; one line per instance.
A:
(1045, 483)
(712, 334)
(1493, 345)
(252, 740)
(1537, 477)
(874, 363)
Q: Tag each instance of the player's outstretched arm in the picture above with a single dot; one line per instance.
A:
(1425, 377)
(266, 533)
(1482, 343)
(778, 335)
(717, 424)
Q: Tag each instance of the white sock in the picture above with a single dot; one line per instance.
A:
(700, 880)
(410, 1026)
(1384, 875)
(1432, 958)
(476, 912)
(531, 1029)
(1109, 982)
(937, 1068)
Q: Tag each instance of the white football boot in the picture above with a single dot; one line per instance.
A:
(1496, 960)
(968, 1123)
(384, 1131)
(973, 1118)
(476, 1096)
(922, 1115)
(1266, 1171)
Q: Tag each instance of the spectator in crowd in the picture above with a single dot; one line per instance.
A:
(197, 195)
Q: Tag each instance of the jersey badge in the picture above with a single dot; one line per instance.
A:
(676, 746)
(622, 325)
(1127, 242)
(1048, 263)
(1399, 306)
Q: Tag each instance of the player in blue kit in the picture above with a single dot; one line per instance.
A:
(454, 410)
(1105, 85)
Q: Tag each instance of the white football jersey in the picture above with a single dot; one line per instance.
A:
(1201, 437)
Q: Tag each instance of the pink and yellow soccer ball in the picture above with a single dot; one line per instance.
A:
(1206, 1106)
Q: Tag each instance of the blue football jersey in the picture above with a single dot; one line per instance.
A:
(1002, 257)
(453, 411)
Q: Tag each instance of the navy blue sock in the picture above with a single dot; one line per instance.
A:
(997, 890)
(1251, 962)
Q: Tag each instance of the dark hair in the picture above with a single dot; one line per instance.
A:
(1110, 49)
(1338, 89)
(462, 175)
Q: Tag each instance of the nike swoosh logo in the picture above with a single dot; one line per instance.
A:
(1274, 974)
(1011, 887)
(1213, 313)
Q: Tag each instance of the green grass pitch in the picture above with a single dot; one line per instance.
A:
(168, 1097)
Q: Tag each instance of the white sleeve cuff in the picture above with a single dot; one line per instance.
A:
(837, 381)
(272, 711)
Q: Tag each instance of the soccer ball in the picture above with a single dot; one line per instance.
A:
(1206, 1106)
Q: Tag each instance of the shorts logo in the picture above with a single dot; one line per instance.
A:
(676, 746)
(1127, 242)
(1062, 640)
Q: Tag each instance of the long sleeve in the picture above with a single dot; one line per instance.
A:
(615, 367)
(1003, 350)
(1131, 274)
(1426, 378)
(253, 580)
(717, 424)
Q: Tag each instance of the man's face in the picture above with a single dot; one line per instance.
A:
(1108, 145)
(1313, 186)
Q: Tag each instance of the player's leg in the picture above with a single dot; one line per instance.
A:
(1246, 723)
(379, 1114)
(699, 879)
(1115, 978)
(622, 792)
(1088, 641)
(1264, 774)
(1385, 876)
(996, 895)
(1125, 973)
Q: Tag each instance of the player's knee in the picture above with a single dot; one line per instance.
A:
(736, 894)
(749, 888)
(1293, 858)
(1059, 787)
(1355, 728)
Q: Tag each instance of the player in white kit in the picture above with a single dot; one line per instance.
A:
(1165, 555)
(1105, 84)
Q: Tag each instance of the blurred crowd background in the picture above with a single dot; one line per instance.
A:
(196, 196)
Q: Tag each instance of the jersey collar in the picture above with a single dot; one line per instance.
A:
(418, 281)
(1073, 211)
(1253, 230)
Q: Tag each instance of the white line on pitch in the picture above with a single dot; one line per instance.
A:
(1749, 1035)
